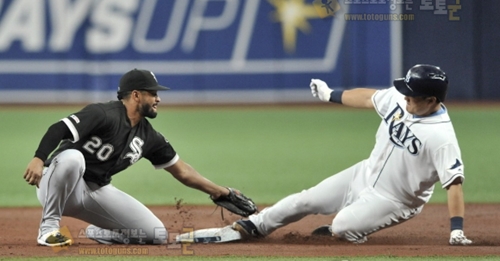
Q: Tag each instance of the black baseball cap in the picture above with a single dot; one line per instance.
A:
(138, 79)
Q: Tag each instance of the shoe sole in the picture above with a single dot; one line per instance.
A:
(66, 243)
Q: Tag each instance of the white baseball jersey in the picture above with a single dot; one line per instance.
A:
(411, 153)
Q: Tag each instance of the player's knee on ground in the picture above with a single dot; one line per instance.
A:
(345, 226)
(160, 236)
(155, 234)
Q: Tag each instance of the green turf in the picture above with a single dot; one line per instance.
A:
(266, 152)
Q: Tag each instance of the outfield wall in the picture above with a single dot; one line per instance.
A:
(463, 39)
(222, 51)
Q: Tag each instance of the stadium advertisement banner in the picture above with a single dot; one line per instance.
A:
(204, 50)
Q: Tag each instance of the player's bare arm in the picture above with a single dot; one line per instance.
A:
(456, 199)
(357, 98)
(188, 176)
(457, 210)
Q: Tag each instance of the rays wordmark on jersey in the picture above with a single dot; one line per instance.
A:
(400, 134)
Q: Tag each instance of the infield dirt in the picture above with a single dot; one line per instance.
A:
(425, 235)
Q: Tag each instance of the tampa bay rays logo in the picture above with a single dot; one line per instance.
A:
(407, 80)
(400, 134)
(136, 147)
(457, 166)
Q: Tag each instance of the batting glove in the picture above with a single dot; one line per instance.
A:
(457, 237)
(320, 89)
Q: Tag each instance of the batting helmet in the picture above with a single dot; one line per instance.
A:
(423, 80)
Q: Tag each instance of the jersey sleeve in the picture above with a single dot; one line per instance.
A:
(83, 122)
(163, 154)
(382, 100)
(449, 164)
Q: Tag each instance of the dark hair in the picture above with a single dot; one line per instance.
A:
(123, 95)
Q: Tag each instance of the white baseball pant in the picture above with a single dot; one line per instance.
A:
(64, 192)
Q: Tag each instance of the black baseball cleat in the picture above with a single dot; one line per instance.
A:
(246, 228)
(325, 230)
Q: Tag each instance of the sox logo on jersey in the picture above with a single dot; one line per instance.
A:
(104, 151)
(136, 146)
(400, 134)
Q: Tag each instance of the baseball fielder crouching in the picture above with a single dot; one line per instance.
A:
(98, 142)
(415, 148)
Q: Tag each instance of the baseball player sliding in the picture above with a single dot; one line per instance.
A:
(98, 142)
(415, 148)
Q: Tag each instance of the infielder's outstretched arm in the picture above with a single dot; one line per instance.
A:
(188, 176)
(357, 98)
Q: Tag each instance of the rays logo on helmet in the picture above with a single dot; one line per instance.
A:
(408, 76)
(437, 76)
(407, 80)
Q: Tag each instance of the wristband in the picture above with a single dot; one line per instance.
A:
(457, 223)
(336, 96)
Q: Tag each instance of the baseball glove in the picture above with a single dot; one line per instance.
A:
(237, 203)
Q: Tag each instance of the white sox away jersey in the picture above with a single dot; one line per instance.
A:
(102, 132)
(412, 153)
